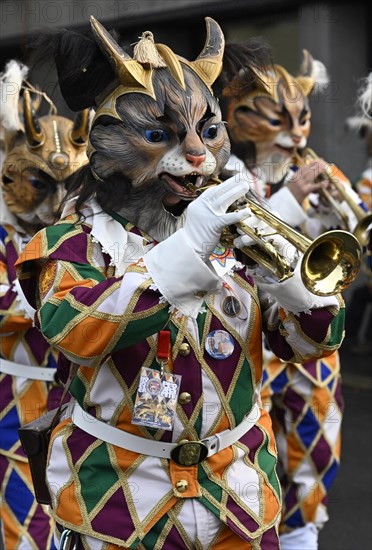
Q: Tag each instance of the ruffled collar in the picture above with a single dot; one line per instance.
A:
(122, 245)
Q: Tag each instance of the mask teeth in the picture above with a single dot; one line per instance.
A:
(191, 187)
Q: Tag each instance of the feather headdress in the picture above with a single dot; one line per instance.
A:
(363, 116)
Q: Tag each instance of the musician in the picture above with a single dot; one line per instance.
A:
(361, 299)
(134, 287)
(362, 122)
(39, 155)
(269, 126)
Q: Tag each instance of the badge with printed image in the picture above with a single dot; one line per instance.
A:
(156, 399)
(219, 344)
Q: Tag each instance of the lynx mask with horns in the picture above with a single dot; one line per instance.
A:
(40, 154)
(269, 122)
(157, 127)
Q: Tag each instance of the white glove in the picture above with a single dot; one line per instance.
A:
(293, 296)
(290, 294)
(206, 216)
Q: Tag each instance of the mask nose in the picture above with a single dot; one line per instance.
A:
(296, 139)
(195, 160)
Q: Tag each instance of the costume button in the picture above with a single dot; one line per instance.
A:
(184, 349)
(184, 398)
(200, 293)
(182, 485)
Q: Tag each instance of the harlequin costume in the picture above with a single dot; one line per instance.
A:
(362, 295)
(36, 164)
(362, 122)
(364, 185)
(116, 277)
(266, 126)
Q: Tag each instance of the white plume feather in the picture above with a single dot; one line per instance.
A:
(363, 117)
(358, 122)
(10, 86)
(365, 96)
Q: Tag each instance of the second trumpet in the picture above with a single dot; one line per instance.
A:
(364, 219)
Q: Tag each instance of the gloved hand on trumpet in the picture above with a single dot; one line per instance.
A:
(283, 247)
(329, 264)
(337, 202)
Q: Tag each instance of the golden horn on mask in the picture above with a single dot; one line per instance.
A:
(208, 64)
(364, 218)
(37, 100)
(305, 77)
(134, 75)
(34, 133)
(130, 72)
(329, 264)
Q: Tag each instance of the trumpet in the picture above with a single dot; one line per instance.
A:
(364, 218)
(329, 263)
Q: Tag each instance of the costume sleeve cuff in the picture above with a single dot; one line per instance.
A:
(180, 275)
(284, 203)
(293, 296)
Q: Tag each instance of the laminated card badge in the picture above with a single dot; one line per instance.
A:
(158, 391)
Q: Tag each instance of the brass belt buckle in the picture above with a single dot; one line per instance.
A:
(189, 453)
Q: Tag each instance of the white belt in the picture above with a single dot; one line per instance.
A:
(185, 453)
(26, 371)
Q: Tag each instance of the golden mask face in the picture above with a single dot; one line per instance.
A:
(39, 162)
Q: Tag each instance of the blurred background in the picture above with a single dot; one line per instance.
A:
(335, 33)
(338, 34)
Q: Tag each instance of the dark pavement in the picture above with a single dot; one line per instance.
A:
(350, 508)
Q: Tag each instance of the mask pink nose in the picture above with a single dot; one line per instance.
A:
(296, 139)
(195, 160)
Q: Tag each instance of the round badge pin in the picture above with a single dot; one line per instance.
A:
(231, 306)
(219, 344)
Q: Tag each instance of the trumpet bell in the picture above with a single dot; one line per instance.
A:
(361, 231)
(331, 263)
